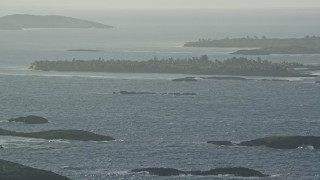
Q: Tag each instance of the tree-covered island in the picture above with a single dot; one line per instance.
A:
(264, 46)
(196, 66)
(22, 21)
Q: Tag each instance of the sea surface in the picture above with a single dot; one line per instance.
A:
(158, 130)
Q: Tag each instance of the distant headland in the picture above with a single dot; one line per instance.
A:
(264, 46)
(24, 21)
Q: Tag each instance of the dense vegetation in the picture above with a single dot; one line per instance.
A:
(306, 45)
(201, 66)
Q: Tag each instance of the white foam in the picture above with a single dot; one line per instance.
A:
(117, 173)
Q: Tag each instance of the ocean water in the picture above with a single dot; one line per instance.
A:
(157, 130)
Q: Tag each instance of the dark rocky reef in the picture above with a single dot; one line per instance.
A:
(179, 94)
(20, 21)
(225, 78)
(278, 142)
(79, 135)
(285, 142)
(185, 79)
(317, 82)
(236, 171)
(132, 92)
(153, 93)
(278, 80)
(30, 120)
(160, 171)
(14, 171)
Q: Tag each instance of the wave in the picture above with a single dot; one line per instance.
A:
(117, 173)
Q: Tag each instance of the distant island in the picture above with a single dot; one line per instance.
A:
(196, 65)
(264, 46)
(22, 21)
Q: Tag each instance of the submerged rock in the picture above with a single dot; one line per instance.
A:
(279, 142)
(152, 93)
(30, 120)
(225, 78)
(79, 135)
(132, 92)
(160, 171)
(185, 79)
(180, 94)
(14, 171)
(224, 143)
(285, 142)
(236, 171)
(279, 80)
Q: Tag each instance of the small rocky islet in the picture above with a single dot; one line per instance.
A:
(30, 120)
(15, 171)
(236, 66)
(277, 142)
(68, 134)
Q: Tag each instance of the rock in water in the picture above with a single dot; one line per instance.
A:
(236, 171)
(285, 142)
(30, 120)
(69, 134)
(160, 171)
(14, 171)
(185, 79)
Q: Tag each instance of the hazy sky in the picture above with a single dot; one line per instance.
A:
(106, 4)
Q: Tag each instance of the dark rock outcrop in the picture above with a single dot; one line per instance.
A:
(280, 80)
(132, 92)
(14, 171)
(224, 143)
(225, 78)
(179, 94)
(236, 171)
(30, 120)
(185, 79)
(79, 135)
(317, 82)
(285, 142)
(160, 171)
(279, 142)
